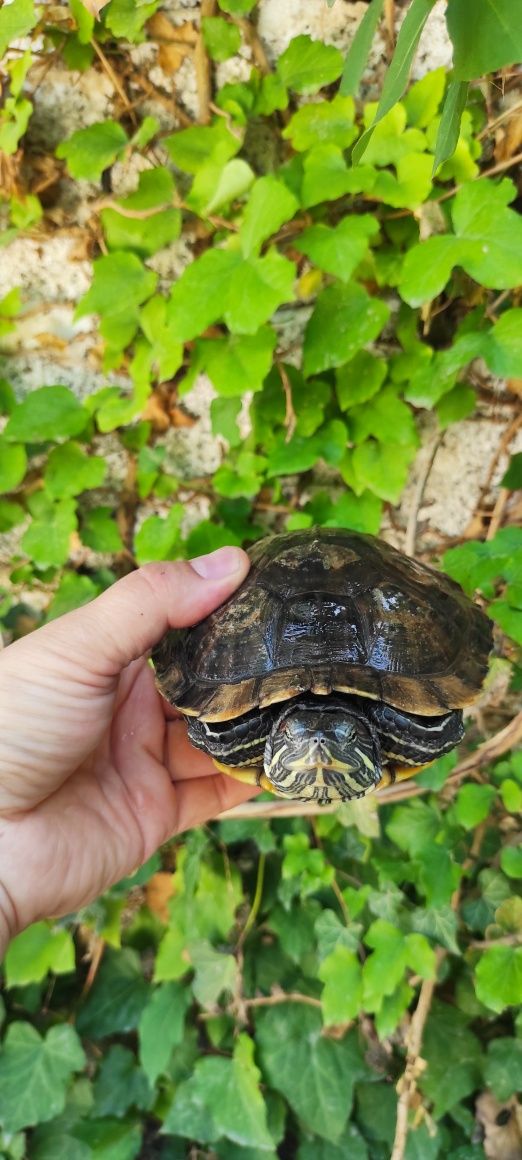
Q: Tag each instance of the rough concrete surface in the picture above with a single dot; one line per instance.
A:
(53, 271)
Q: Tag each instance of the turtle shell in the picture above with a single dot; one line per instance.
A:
(330, 609)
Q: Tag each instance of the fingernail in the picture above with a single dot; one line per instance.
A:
(216, 565)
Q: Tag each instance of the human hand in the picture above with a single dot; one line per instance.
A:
(95, 768)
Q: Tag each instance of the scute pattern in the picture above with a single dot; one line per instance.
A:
(330, 609)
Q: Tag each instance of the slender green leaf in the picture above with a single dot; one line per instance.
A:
(450, 121)
(359, 50)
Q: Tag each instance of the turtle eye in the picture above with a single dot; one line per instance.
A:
(344, 732)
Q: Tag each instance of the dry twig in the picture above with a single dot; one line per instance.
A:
(202, 66)
(418, 495)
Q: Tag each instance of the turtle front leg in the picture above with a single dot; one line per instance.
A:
(410, 741)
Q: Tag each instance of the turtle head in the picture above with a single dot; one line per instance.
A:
(320, 749)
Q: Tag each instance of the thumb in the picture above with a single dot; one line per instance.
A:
(132, 616)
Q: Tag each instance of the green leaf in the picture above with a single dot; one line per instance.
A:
(258, 286)
(456, 405)
(397, 75)
(360, 379)
(326, 176)
(49, 413)
(192, 148)
(424, 97)
(221, 284)
(222, 1098)
(338, 251)
(306, 65)
(70, 470)
(48, 537)
(324, 123)
(120, 1084)
(384, 413)
(161, 1027)
(362, 512)
(450, 122)
(503, 345)
(413, 827)
(511, 861)
(490, 41)
(13, 464)
(351, 1144)
(498, 977)
(473, 804)
(315, 1074)
(453, 1054)
(216, 186)
(382, 468)
(487, 243)
(342, 993)
(237, 363)
(120, 284)
(36, 951)
(269, 206)
(158, 538)
(357, 56)
(222, 39)
(145, 235)
(503, 1067)
(88, 152)
(99, 531)
(117, 998)
(438, 923)
(513, 476)
(215, 972)
(16, 20)
(73, 591)
(384, 969)
(236, 7)
(125, 18)
(345, 318)
(35, 1072)
(11, 514)
(392, 1009)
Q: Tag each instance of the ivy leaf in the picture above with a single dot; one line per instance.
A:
(192, 148)
(148, 234)
(120, 1084)
(360, 379)
(306, 65)
(345, 318)
(326, 176)
(325, 123)
(487, 243)
(47, 539)
(11, 514)
(383, 413)
(88, 152)
(158, 538)
(222, 1098)
(99, 531)
(69, 471)
(49, 413)
(473, 804)
(256, 289)
(315, 1074)
(492, 40)
(384, 969)
(453, 1055)
(13, 464)
(338, 251)
(382, 468)
(222, 39)
(342, 993)
(215, 186)
(503, 1067)
(392, 1008)
(438, 923)
(237, 363)
(125, 18)
(120, 284)
(215, 972)
(161, 1027)
(34, 1073)
(423, 98)
(269, 206)
(16, 20)
(117, 997)
(39, 949)
(511, 861)
(498, 977)
(503, 345)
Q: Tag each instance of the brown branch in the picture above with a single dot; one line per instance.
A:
(290, 418)
(203, 67)
(252, 39)
(415, 1065)
(418, 495)
(285, 997)
(115, 80)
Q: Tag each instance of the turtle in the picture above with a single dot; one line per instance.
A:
(339, 665)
